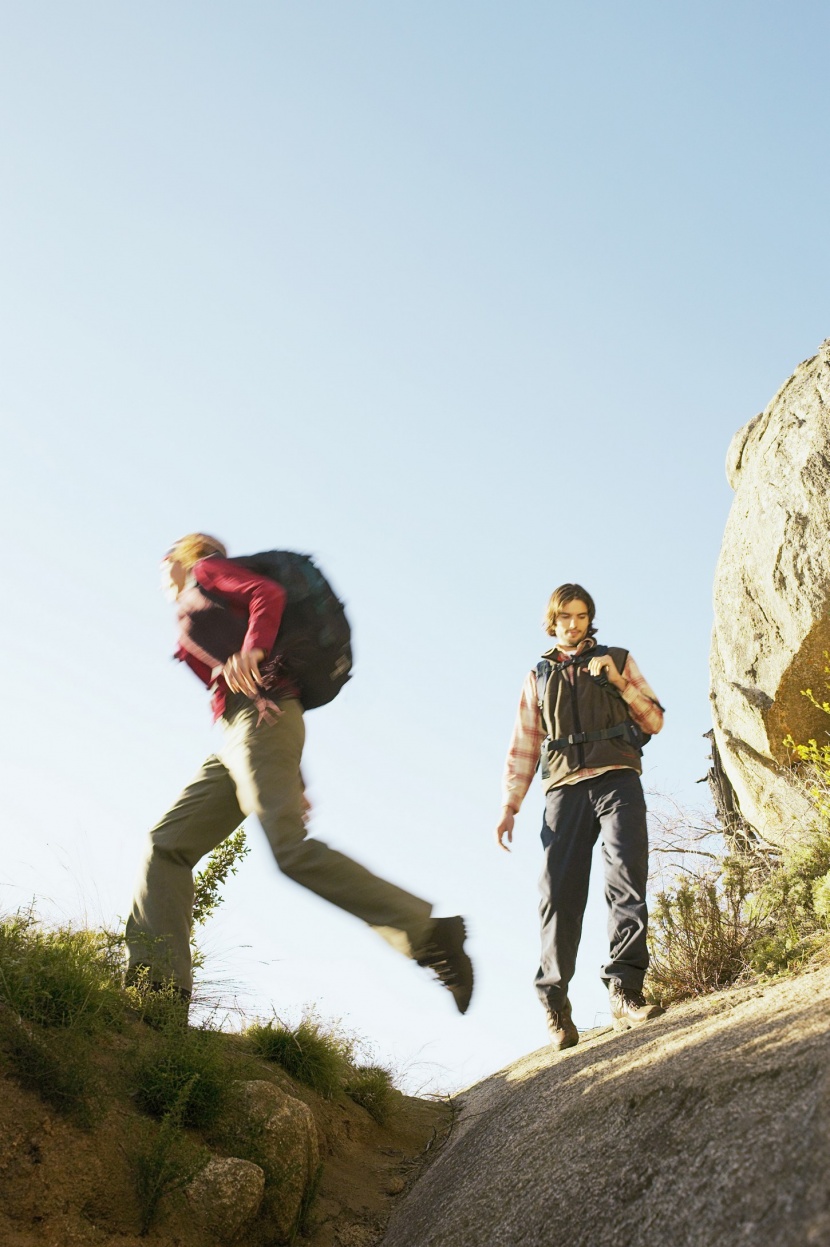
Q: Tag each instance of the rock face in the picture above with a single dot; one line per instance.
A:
(708, 1127)
(772, 600)
(226, 1195)
(281, 1137)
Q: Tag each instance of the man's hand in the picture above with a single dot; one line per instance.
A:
(504, 831)
(307, 808)
(606, 663)
(241, 671)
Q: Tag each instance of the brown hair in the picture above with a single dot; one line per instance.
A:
(195, 546)
(560, 598)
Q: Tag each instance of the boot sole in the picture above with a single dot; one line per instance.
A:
(567, 1043)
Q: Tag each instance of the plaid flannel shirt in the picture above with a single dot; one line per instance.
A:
(529, 732)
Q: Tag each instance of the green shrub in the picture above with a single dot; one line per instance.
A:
(164, 1159)
(61, 977)
(182, 1058)
(372, 1088)
(821, 900)
(701, 931)
(796, 897)
(225, 860)
(311, 1052)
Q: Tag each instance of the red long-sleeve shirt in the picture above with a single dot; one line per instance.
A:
(259, 599)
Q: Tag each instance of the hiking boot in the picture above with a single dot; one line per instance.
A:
(629, 1008)
(444, 955)
(561, 1027)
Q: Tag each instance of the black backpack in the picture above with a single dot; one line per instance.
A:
(313, 646)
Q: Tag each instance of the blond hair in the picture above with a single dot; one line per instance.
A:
(195, 546)
(560, 598)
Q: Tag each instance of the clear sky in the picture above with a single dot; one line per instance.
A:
(465, 299)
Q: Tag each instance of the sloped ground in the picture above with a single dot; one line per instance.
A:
(65, 1186)
(708, 1127)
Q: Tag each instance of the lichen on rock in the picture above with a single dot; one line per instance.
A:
(226, 1195)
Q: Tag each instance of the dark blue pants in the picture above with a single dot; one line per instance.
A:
(613, 806)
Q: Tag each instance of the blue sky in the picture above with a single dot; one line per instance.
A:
(467, 300)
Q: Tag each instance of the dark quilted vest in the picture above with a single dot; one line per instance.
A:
(584, 706)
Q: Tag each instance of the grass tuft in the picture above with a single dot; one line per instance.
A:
(61, 977)
(165, 1160)
(313, 1053)
(372, 1088)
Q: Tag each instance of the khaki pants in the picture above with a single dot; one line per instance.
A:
(256, 772)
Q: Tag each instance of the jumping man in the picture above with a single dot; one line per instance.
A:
(256, 771)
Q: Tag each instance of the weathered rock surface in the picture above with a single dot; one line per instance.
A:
(708, 1126)
(772, 599)
(226, 1195)
(281, 1136)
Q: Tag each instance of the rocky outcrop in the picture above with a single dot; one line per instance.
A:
(280, 1134)
(772, 600)
(226, 1195)
(708, 1126)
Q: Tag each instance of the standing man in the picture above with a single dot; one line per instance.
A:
(257, 771)
(583, 716)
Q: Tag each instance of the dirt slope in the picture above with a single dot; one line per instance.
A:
(710, 1127)
(63, 1186)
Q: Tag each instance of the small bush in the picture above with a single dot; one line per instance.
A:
(61, 977)
(795, 894)
(821, 900)
(165, 1160)
(701, 932)
(371, 1087)
(314, 1054)
(183, 1058)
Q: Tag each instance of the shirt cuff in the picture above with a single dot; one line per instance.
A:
(512, 798)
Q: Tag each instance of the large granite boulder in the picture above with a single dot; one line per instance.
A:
(772, 600)
(709, 1127)
(279, 1134)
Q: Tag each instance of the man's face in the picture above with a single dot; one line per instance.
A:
(572, 624)
(172, 579)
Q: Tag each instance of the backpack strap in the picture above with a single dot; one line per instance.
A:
(580, 738)
(543, 672)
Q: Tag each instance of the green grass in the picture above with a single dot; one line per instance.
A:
(311, 1052)
(62, 977)
(181, 1059)
(59, 988)
(372, 1088)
